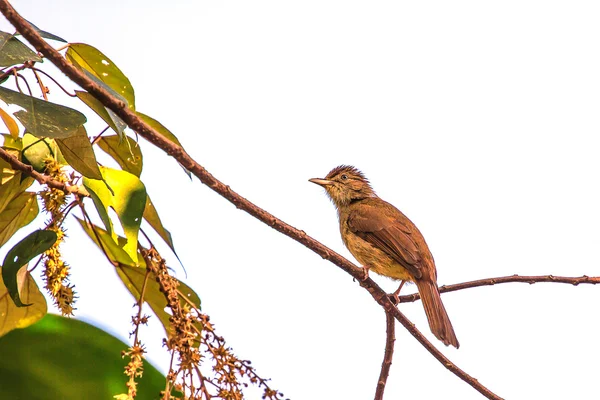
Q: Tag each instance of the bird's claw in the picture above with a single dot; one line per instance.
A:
(365, 270)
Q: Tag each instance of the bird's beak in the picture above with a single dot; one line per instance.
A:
(321, 182)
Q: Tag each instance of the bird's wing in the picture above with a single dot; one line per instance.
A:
(392, 235)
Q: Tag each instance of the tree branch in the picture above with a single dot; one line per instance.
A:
(144, 130)
(594, 280)
(390, 332)
(41, 178)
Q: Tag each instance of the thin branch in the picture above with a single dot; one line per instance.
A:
(390, 324)
(43, 88)
(147, 132)
(11, 71)
(17, 76)
(96, 138)
(35, 70)
(41, 178)
(594, 280)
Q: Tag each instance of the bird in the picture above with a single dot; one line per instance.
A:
(386, 242)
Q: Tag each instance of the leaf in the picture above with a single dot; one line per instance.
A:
(31, 246)
(11, 316)
(133, 278)
(107, 115)
(13, 51)
(20, 211)
(127, 196)
(92, 60)
(10, 123)
(126, 152)
(67, 359)
(77, 151)
(105, 242)
(47, 35)
(158, 127)
(151, 216)
(12, 187)
(36, 150)
(42, 118)
(163, 131)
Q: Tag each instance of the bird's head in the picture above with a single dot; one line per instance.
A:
(345, 184)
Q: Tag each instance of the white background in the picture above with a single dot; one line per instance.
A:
(478, 119)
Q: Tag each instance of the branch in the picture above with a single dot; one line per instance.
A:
(594, 280)
(41, 178)
(390, 325)
(130, 118)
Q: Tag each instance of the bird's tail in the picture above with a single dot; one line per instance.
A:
(439, 323)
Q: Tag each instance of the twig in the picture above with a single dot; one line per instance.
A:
(43, 88)
(17, 76)
(390, 324)
(35, 70)
(594, 280)
(41, 178)
(147, 132)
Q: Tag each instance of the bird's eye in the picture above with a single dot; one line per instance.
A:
(344, 177)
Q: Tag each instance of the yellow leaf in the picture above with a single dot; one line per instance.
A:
(10, 123)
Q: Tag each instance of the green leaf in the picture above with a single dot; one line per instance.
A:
(126, 152)
(19, 212)
(12, 143)
(126, 196)
(36, 150)
(160, 128)
(47, 35)
(107, 115)
(42, 118)
(32, 246)
(67, 359)
(151, 215)
(10, 123)
(12, 187)
(92, 60)
(133, 278)
(13, 51)
(77, 151)
(105, 242)
(11, 316)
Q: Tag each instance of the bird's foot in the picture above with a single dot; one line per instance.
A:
(395, 297)
(365, 272)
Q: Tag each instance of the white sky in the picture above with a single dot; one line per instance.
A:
(478, 119)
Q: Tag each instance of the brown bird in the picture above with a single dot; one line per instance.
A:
(385, 241)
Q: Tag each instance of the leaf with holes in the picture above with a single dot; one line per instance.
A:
(42, 118)
(32, 246)
(77, 151)
(107, 115)
(126, 152)
(13, 51)
(126, 195)
(13, 317)
(19, 212)
(90, 59)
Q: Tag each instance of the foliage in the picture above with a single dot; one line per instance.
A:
(50, 137)
(52, 360)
